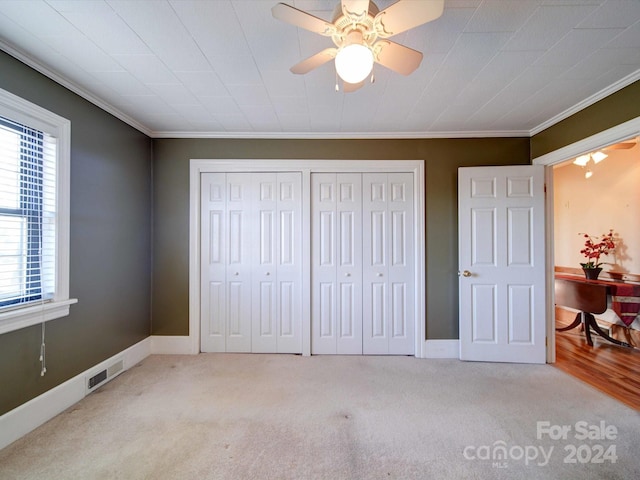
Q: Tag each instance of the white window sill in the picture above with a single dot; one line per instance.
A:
(32, 315)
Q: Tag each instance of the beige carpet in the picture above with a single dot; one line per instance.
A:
(235, 416)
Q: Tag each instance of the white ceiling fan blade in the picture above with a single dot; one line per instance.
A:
(396, 57)
(301, 19)
(357, 10)
(405, 15)
(320, 58)
(351, 87)
(621, 146)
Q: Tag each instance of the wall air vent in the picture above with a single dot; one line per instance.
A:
(100, 377)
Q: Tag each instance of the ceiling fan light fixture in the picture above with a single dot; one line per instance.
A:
(598, 156)
(354, 62)
(582, 160)
(359, 31)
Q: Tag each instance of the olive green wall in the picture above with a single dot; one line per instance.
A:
(110, 267)
(613, 110)
(442, 158)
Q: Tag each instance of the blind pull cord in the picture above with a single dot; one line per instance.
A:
(43, 354)
(43, 347)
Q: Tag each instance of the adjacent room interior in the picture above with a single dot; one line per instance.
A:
(595, 194)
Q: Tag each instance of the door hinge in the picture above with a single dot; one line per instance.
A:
(546, 341)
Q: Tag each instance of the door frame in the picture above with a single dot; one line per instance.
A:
(594, 142)
(306, 168)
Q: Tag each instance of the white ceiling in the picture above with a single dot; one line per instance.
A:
(221, 68)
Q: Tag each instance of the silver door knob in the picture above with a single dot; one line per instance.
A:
(236, 274)
(347, 274)
(464, 273)
(379, 274)
(267, 273)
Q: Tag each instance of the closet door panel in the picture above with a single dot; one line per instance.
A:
(324, 263)
(336, 263)
(277, 308)
(349, 263)
(388, 268)
(213, 275)
(375, 252)
(289, 262)
(401, 264)
(264, 282)
(239, 232)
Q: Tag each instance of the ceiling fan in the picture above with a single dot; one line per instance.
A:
(625, 145)
(597, 156)
(360, 31)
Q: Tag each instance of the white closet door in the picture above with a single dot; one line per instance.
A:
(251, 262)
(276, 286)
(289, 257)
(388, 264)
(213, 268)
(226, 263)
(264, 284)
(239, 230)
(336, 263)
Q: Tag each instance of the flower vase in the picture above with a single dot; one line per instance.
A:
(591, 273)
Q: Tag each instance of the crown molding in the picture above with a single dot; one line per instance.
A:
(596, 97)
(342, 135)
(65, 82)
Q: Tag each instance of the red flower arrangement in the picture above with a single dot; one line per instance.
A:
(593, 250)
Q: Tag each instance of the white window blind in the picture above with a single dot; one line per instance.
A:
(27, 214)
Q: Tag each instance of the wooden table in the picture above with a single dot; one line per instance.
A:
(590, 297)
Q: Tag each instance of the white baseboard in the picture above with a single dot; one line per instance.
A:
(171, 345)
(442, 349)
(28, 416)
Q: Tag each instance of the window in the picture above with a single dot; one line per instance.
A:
(34, 214)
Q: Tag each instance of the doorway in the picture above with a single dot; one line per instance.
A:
(611, 136)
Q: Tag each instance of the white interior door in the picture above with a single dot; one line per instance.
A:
(277, 265)
(264, 283)
(337, 263)
(251, 262)
(362, 263)
(501, 261)
(226, 262)
(213, 268)
(388, 264)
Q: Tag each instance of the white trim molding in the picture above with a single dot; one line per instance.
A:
(39, 313)
(30, 415)
(442, 349)
(74, 87)
(346, 135)
(305, 167)
(596, 97)
(171, 345)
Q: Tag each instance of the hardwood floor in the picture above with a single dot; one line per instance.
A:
(611, 369)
